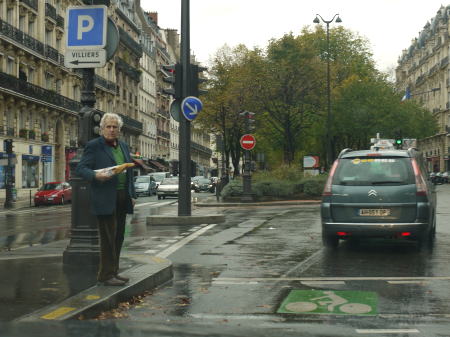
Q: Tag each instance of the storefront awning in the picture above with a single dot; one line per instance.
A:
(157, 165)
(141, 163)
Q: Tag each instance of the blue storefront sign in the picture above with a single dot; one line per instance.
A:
(46, 154)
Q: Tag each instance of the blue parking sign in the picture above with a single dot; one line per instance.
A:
(86, 27)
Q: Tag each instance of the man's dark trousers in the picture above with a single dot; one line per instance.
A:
(111, 230)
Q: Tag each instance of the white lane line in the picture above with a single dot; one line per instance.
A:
(145, 204)
(396, 331)
(165, 253)
(171, 241)
(234, 282)
(151, 251)
(408, 282)
(318, 283)
(276, 279)
(302, 266)
(163, 245)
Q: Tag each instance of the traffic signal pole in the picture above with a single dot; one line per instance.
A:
(184, 198)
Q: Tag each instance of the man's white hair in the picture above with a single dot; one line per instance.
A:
(111, 115)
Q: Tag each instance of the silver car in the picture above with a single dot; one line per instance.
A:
(378, 193)
(168, 188)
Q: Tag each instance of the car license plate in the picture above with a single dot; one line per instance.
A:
(374, 212)
(49, 199)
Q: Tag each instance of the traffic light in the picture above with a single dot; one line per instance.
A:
(398, 142)
(173, 75)
(8, 145)
(89, 125)
(195, 80)
(249, 121)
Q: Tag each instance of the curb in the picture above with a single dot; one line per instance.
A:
(263, 203)
(185, 220)
(96, 299)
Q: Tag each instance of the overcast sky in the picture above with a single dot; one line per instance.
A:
(389, 25)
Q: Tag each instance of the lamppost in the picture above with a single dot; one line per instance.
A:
(329, 154)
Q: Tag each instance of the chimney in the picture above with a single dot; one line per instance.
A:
(153, 16)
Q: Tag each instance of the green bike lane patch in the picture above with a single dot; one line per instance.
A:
(330, 302)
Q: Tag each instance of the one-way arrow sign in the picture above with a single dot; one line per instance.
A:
(190, 107)
(85, 58)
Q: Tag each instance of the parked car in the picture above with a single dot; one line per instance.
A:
(168, 188)
(53, 193)
(203, 185)
(145, 185)
(159, 176)
(378, 193)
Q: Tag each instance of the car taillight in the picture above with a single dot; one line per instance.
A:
(421, 186)
(327, 189)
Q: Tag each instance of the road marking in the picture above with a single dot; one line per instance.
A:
(145, 204)
(318, 283)
(302, 266)
(357, 278)
(58, 313)
(165, 253)
(408, 282)
(396, 331)
(234, 282)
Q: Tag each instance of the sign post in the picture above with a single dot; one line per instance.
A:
(247, 142)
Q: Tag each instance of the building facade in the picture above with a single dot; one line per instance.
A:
(40, 97)
(423, 71)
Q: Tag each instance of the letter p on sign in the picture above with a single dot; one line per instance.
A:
(86, 27)
(82, 28)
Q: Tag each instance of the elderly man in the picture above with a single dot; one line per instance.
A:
(112, 197)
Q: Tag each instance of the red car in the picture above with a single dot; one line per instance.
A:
(57, 193)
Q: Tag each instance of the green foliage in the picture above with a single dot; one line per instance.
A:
(278, 185)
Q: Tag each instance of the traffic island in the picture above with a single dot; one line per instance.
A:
(158, 220)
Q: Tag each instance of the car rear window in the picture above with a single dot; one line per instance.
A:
(369, 171)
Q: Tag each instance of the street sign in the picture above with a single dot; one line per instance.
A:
(190, 107)
(248, 142)
(175, 110)
(86, 27)
(87, 37)
(85, 58)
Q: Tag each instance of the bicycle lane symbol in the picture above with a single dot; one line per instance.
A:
(330, 302)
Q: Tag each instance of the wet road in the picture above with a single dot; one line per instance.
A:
(42, 225)
(266, 266)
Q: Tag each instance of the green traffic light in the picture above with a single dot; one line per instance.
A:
(398, 141)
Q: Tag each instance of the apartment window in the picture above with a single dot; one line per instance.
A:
(31, 27)
(58, 44)
(22, 23)
(49, 81)
(31, 74)
(58, 86)
(10, 66)
(49, 37)
(76, 93)
(9, 16)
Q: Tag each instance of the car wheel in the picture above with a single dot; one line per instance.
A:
(330, 241)
(62, 200)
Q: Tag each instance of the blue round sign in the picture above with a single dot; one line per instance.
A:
(190, 107)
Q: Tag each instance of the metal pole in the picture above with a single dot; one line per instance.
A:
(9, 183)
(83, 248)
(329, 137)
(184, 199)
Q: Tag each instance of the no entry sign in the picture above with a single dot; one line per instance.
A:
(248, 142)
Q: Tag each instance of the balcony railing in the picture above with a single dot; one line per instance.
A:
(163, 134)
(131, 44)
(13, 83)
(108, 85)
(60, 21)
(201, 148)
(21, 37)
(131, 124)
(51, 53)
(132, 72)
(50, 11)
(31, 3)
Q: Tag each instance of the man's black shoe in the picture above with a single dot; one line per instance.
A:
(114, 282)
(122, 278)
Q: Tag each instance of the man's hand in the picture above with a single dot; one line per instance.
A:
(102, 176)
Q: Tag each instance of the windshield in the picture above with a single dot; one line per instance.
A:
(142, 179)
(204, 181)
(170, 181)
(369, 171)
(159, 176)
(50, 187)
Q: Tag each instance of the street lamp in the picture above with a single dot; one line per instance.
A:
(328, 139)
